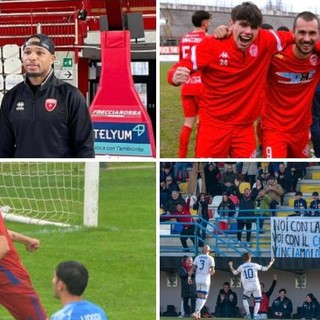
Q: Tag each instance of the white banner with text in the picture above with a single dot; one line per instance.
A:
(295, 237)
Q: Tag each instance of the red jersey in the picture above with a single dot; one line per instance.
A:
(11, 268)
(233, 79)
(289, 91)
(193, 86)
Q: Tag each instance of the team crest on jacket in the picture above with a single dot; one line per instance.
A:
(313, 59)
(253, 50)
(50, 104)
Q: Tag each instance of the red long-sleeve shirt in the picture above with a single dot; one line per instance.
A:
(233, 79)
(11, 268)
(194, 85)
(290, 89)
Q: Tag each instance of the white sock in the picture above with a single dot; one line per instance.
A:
(246, 306)
(256, 308)
(203, 302)
(198, 302)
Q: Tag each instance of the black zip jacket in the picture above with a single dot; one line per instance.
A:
(52, 123)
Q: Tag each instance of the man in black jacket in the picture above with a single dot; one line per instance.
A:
(226, 302)
(44, 117)
(188, 290)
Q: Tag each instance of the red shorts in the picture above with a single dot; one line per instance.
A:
(22, 301)
(190, 105)
(277, 144)
(227, 141)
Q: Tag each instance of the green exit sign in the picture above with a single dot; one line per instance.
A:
(67, 62)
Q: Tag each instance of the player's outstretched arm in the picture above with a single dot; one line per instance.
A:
(221, 32)
(235, 272)
(269, 265)
(31, 244)
(180, 76)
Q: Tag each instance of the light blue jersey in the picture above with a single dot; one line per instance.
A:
(80, 310)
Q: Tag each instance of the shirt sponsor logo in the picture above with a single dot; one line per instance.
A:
(50, 104)
(20, 106)
(253, 50)
(296, 78)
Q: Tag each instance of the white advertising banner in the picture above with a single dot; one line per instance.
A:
(295, 237)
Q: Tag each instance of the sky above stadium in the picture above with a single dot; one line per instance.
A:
(288, 5)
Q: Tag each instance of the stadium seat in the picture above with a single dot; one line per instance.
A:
(215, 204)
(12, 80)
(243, 186)
(171, 311)
(1, 82)
(183, 187)
(12, 66)
(315, 175)
(10, 51)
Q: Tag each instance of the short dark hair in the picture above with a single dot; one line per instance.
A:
(249, 12)
(283, 28)
(283, 290)
(74, 275)
(246, 256)
(299, 193)
(305, 15)
(199, 16)
(266, 26)
(315, 194)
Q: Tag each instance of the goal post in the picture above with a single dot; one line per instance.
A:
(50, 193)
(91, 194)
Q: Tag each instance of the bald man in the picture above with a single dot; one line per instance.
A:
(205, 267)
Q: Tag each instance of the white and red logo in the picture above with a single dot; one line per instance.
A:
(50, 104)
(313, 59)
(253, 50)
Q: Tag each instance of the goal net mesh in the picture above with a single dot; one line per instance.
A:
(46, 191)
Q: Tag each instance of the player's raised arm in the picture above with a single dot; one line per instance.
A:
(235, 272)
(31, 244)
(265, 268)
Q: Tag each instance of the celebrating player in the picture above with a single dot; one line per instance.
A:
(191, 90)
(204, 266)
(250, 282)
(233, 72)
(292, 78)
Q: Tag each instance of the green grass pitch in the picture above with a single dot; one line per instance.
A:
(119, 254)
(171, 117)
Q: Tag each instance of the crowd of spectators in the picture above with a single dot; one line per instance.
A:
(248, 190)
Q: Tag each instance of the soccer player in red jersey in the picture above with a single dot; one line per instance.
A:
(16, 292)
(233, 71)
(191, 90)
(292, 79)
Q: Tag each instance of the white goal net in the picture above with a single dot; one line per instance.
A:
(43, 192)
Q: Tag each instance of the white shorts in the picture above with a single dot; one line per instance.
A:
(256, 293)
(203, 288)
